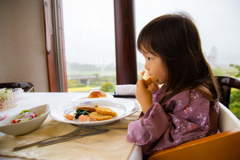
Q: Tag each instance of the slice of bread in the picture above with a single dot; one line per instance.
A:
(148, 79)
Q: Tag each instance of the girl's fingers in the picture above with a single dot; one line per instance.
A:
(153, 87)
(140, 83)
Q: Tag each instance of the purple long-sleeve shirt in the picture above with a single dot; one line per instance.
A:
(176, 123)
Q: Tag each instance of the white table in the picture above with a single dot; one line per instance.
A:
(32, 99)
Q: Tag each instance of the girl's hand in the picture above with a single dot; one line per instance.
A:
(153, 87)
(143, 95)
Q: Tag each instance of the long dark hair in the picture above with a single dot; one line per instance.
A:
(175, 39)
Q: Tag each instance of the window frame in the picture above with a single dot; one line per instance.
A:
(54, 36)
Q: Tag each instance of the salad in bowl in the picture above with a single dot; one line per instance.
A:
(26, 115)
(9, 97)
(26, 121)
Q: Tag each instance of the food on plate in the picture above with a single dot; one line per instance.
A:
(148, 79)
(97, 94)
(106, 111)
(91, 119)
(89, 108)
(80, 112)
(99, 117)
(26, 115)
(90, 114)
(69, 116)
(82, 118)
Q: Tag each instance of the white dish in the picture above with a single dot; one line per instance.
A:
(9, 97)
(25, 127)
(122, 107)
(81, 97)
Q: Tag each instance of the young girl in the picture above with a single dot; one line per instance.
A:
(186, 107)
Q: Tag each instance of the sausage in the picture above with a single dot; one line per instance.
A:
(90, 109)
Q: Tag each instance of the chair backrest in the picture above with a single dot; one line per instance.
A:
(227, 120)
(26, 86)
(221, 146)
(225, 84)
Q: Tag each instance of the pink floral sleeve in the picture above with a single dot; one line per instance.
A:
(187, 116)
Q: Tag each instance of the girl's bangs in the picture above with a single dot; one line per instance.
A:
(146, 44)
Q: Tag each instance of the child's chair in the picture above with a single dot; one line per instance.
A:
(221, 146)
(225, 84)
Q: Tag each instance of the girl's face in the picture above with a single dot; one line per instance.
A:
(154, 65)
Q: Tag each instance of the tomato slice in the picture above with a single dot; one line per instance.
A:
(14, 121)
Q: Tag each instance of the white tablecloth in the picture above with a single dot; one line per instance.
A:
(32, 99)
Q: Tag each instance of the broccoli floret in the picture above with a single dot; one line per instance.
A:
(85, 112)
(81, 112)
(77, 115)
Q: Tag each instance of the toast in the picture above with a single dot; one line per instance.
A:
(148, 79)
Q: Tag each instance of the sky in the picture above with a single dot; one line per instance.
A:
(89, 27)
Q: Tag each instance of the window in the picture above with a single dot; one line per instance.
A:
(89, 44)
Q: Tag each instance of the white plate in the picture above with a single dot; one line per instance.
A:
(78, 98)
(122, 107)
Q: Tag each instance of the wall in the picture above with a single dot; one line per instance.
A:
(22, 43)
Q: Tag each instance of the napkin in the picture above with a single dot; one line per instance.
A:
(127, 89)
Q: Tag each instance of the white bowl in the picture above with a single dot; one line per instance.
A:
(10, 96)
(25, 127)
